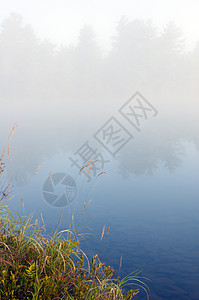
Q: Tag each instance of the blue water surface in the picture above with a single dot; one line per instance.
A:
(150, 220)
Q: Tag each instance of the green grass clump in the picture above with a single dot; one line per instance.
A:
(36, 266)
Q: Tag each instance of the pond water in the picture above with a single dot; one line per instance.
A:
(144, 197)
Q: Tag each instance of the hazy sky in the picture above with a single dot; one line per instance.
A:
(61, 20)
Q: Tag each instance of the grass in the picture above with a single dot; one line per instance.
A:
(36, 266)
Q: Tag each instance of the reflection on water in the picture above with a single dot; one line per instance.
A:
(148, 195)
(152, 213)
(66, 104)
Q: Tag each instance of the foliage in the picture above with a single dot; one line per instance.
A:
(35, 266)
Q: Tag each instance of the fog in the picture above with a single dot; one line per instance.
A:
(61, 95)
(116, 84)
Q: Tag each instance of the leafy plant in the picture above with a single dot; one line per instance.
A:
(36, 266)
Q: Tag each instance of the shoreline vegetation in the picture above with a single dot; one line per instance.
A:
(34, 265)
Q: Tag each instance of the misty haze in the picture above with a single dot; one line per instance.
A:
(68, 101)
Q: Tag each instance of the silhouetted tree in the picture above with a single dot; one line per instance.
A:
(88, 62)
(133, 54)
(24, 60)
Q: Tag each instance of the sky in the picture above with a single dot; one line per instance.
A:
(60, 21)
